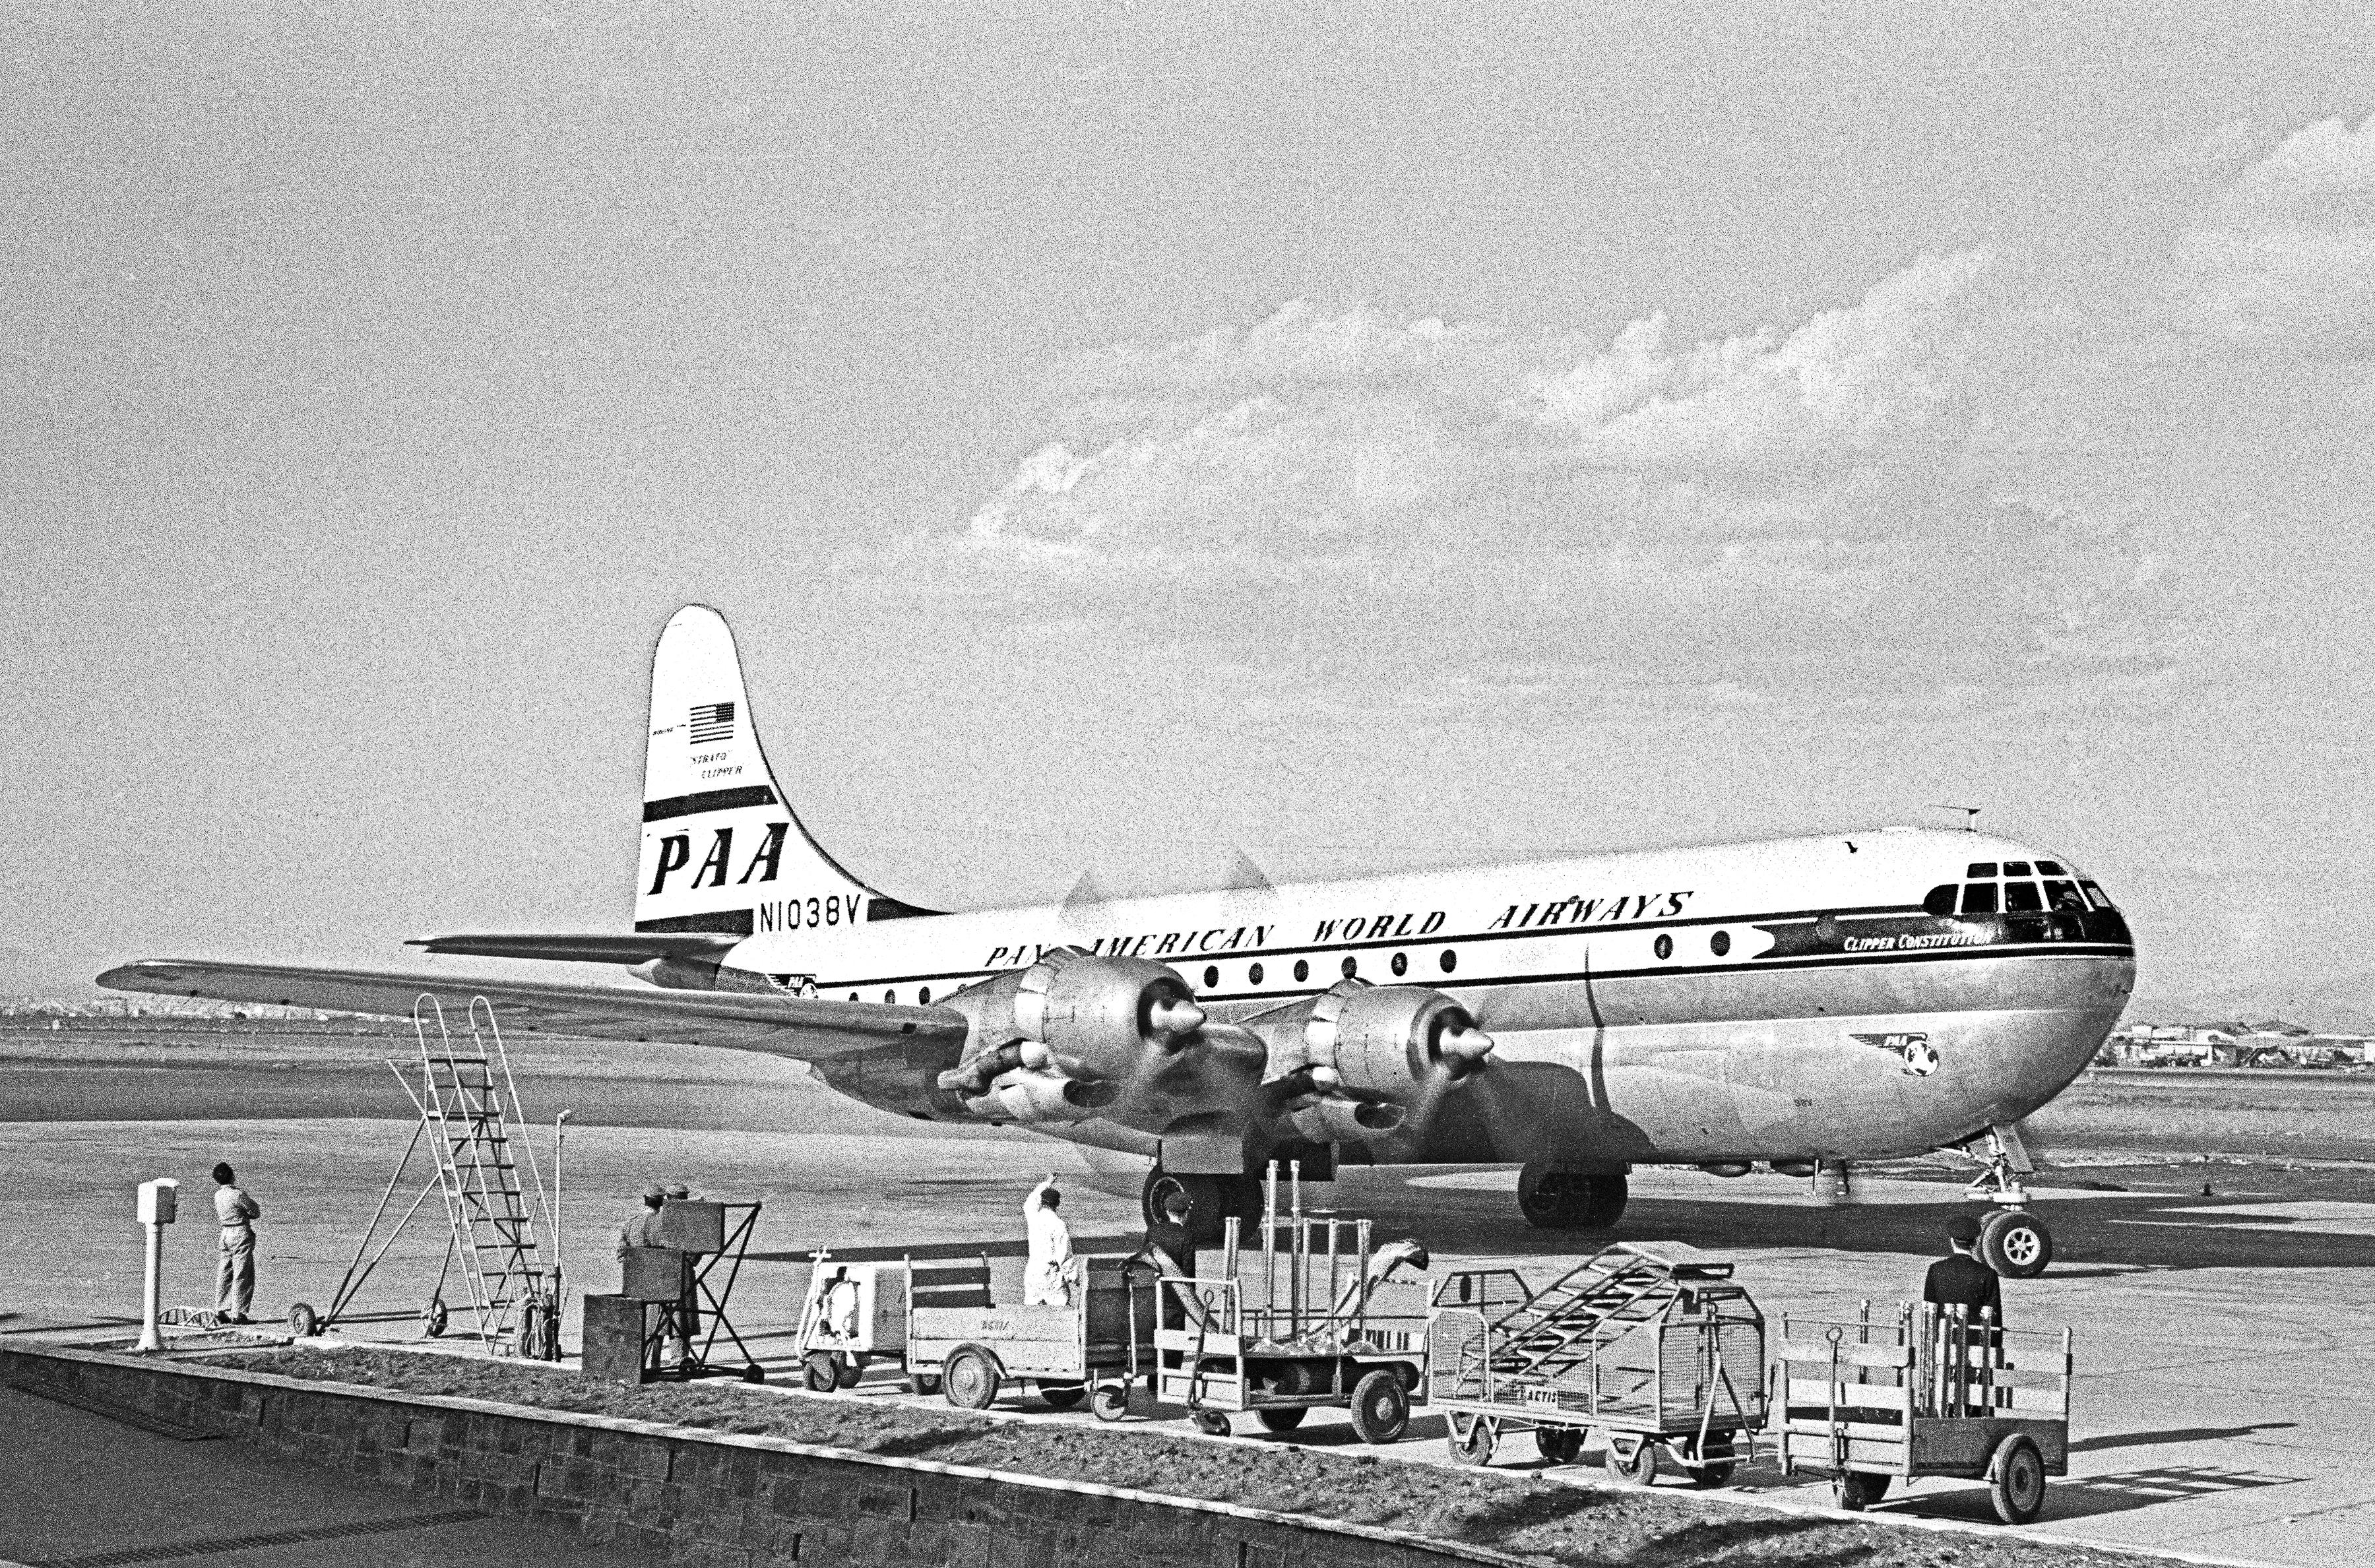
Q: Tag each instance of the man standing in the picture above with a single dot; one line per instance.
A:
(1171, 1247)
(236, 1276)
(642, 1227)
(1046, 1272)
(1959, 1278)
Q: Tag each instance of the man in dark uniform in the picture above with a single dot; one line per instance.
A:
(1171, 1248)
(1961, 1279)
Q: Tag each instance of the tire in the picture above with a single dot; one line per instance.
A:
(1639, 1471)
(433, 1317)
(1210, 1199)
(1554, 1199)
(302, 1321)
(1380, 1407)
(1062, 1396)
(1716, 1463)
(969, 1380)
(2016, 1482)
(2016, 1245)
(1858, 1490)
(1285, 1420)
(818, 1374)
(754, 1373)
(1212, 1423)
(847, 1369)
(1109, 1401)
(924, 1382)
(1559, 1444)
(1473, 1446)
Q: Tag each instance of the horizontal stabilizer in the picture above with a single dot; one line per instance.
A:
(614, 948)
(806, 1029)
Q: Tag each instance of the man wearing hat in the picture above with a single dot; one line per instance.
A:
(1959, 1278)
(1171, 1249)
(642, 1228)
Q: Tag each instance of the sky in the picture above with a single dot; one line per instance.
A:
(1126, 435)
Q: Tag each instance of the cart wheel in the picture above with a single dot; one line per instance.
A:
(1558, 1444)
(2016, 1245)
(1212, 1423)
(1858, 1490)
(1475, 1445)
(2016, 1482)
(1109, 1401)
(1715, 1465)
(302, 1322)
(1380, 1407)
(1638, 1470)
(1062, 1396)
(818, 1374)
(847, 1369)
(1285, 1420)
(924, 1382)
(433, 1318)
(969, 1380)
(754, 1373)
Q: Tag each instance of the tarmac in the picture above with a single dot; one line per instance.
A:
(2224, 1365)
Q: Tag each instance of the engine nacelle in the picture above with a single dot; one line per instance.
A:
(1077, 1014)
(1027, 1096)
(1339, 1118)
(1389, 1040)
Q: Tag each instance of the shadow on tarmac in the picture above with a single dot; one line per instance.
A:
(2178, 1434)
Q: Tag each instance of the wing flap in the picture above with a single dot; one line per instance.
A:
(806, 1029)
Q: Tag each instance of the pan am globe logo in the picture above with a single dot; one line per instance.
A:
(1914, 1053)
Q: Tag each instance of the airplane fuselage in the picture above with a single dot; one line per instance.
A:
(1850, 996)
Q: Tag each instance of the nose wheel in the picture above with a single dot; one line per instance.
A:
(2012, 1241)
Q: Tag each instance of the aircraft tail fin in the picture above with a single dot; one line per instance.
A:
(723, 851)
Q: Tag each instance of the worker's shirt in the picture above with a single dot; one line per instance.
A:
(1963, 1280)
(235, 1209)
(637, 1231)
(1170, 1240)
(1045, 1272)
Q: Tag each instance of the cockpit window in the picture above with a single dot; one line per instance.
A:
(2016, 868)
(2022, 896)
(2050, 869)
(2063, 895)
(1941, 900)
(2097, 896)
(1980, 898)
(1980, 869)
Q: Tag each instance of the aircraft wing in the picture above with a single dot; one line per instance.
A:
(807, 1029)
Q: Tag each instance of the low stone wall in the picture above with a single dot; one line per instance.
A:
(684, 1495)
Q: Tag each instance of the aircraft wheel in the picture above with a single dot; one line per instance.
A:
(1554, 1199)
(1858, 1490)
(2015, 1243)
(1380, 1407)
(2016, 1482)
(969, 1380)
(1558, 1444)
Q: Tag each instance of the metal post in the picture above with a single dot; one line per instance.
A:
(153, 1293)
(1269, 1241)
(1298, 1257)
(559, 1271)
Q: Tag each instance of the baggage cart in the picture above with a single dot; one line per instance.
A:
(971, 1348)
(1311, 1317)
(1661, 1357)
(853, 1313)
(1932, 1391)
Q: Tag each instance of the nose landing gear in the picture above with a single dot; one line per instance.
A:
(2012, 1241)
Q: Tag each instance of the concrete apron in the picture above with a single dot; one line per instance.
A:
(689, 1494)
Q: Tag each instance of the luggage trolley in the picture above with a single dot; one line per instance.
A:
(1313, 1318)
(1660, 1357)
(960, 1341)
(1930, 1393)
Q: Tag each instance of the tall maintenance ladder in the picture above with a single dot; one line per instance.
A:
(468, 1104)
(1557, 1330)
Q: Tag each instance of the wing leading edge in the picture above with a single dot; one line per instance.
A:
(803, 1028)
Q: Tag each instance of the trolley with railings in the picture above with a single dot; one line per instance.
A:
(1310, 1317)
(1658, 1357)
(1932, 1391)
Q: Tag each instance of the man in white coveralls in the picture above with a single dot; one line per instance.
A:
(1048, 1274)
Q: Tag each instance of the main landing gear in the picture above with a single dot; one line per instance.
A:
(1555, 1199)
(2012, 1241)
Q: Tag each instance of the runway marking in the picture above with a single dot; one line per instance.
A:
(248, 1543)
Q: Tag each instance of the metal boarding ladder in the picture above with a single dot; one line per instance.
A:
(467, 1107)
(1560, 1328)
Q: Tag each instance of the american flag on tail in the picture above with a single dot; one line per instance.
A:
(712, 722)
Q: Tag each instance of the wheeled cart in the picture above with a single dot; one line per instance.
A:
(853, 1313)
(957, 1341)
(1661, 1358)
(1932, 1391)
(1310, 1318)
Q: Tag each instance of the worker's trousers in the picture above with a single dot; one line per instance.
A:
(235, 1277)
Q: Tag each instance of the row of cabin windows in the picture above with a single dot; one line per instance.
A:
(1447, 960)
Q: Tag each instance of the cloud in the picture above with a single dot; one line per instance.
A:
(1503, 518)
(2284, 259)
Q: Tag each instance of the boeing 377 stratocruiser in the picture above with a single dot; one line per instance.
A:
(1794, 1002)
